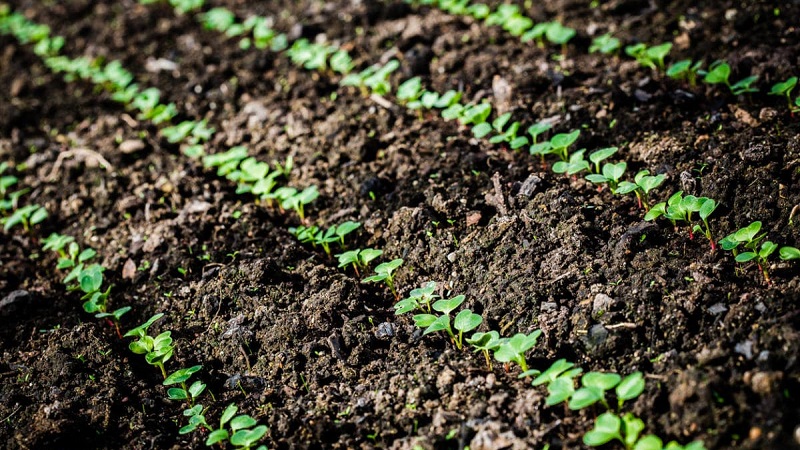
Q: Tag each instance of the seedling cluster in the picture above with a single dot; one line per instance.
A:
(11, 213)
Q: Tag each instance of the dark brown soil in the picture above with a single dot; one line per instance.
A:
(320, 357)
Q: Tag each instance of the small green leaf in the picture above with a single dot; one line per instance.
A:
(216, 437)
(630, 387)
(446, 306)
(789, 253)
(466, 321)
(246, 438)
(242, 421)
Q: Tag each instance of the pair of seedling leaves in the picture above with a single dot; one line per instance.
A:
(384, 272)
(373, 79)
(28, 215)
(784, 89)
(238, 430)
(325, 237)
(314, 56)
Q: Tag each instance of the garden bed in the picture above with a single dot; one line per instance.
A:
(309, 350)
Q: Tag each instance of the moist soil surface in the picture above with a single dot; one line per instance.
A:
(320, 357)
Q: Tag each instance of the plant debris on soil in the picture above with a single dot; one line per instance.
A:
(306, 348)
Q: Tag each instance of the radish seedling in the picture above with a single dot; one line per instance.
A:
(358, 258)
(486, 342)
(601, 155)
(627, 430)
(419, 298)
(719, 73)
(575, 165)
(297, 200)
(27, 216)
(784, 89)
(611, 175)
(559, 34)
(464, 321)
(157, 350)
(188, 393)
(560, 143)
(652, 57)
(384, 273)
(605, 44)
(685, 70)
(560, 380)
(242, 431)
(642, 185)
(593, 389)
(514, 349)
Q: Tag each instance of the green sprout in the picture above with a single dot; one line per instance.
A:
(651, 57)
(755, 249)
(374, 78)
(593, 389)
(115, 317)
(419, 298)
(719, 73)
(784, 89)
(575, 165)
(218, 19)
(611, 175)
(537, 34)
(788, 253)
(358, 258)
(684, 70)
(706, 209)
(185, 6)
(559, 34)
(514, 349)
(680, 209)
(384, 273)
(559, 378)
(560, 143)
(486, 342)
(642, 184)
(507, 135)
(27, 216)
(240, 434)
(475, 115)
(157, 349)
(313, 56)
(605, 44)
(184, 392)
(464, 321)
(627, 430)
(298, 200)
(599, 156)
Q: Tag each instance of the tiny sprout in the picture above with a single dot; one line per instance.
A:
(789, 253)
(706, 209)
(560, 143)
(652, 57)
(575, 165)
(57, 243)
(559, 34)
(536, 34)
(601, 155)
(755, 249)
(719, 73)
(358, 258)
(475, 114)
(630, 387)
(464, 321)
(218, 19)
(345, 228)
(513, 350)
(419, 298)
(642, 185)
(115, 317)
(298, 200)
(611, 175)
(593, 388)
(241, 435)
(384, 272)
(685, 70)
(27, 216)
(784, 88)
(605, 44)
(157, 350)
(538, 128)
(486, 342)
(507, 135)
(189, 393)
